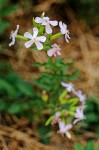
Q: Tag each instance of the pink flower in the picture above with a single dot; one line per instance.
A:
(55, 50)
(13, 35)
(64, 30)
(47, 23)
(34, 39)
(79, 115)
(56, 118)
(68, 86)
(81, 96)
(63, 129)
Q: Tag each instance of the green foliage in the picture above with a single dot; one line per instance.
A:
(87, 1)
(6, 9)
(50, 81)
(21, 87)
(15, 94)
(92, 115)
(89, 10)
(43, 132)
(89, 146)
(57, 71)
(3, 26)
(78, 146)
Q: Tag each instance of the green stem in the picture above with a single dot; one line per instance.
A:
(21, 37)
(55, 36)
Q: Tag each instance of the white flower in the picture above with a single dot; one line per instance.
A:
(47, 23)
(13, 35)
(64, 30)
(68, 86)
(79, 115)
(81, 96)
(34, 39)
(63, 129)
(55, 50)
(57, 114)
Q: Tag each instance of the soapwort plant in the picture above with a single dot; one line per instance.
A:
(64, 105)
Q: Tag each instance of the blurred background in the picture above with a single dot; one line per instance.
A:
(18, 129)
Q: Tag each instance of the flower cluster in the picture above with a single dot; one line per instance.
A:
(75, 111)
(42, 35)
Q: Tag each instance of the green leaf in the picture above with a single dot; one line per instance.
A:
(47, 47)
(22, 87)
(3, 26)
(8, 10)
(37, 64)
(2, 105)
(73, 101)
(2, 3)
(17, 108)
(25, 88)
(47, 42)
(49, 120)
(7, 89)
(72, 76)
(78, 147)
(96, 147)
(34, 48)
(89, 146)
(59, 60)
(41, 30)
(92, 117)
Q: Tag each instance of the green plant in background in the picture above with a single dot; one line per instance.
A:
(6, 9)
(87, 10)
(92, 116)
(89, 146)
(83, 9)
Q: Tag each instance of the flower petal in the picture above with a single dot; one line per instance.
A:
(28, 35)
(16, 31)
(60, 24)
(41, 38)
(61, 125)
(13, 41)
(48, 28)
(67, 38)
(54, 23)
(35, 32)
(58, 52)
(29, 43)
(63, 27)
(68, 134)
(46, 18)
(50, 52)
(68, 126)
(39, 45)
(76, 120)
(38, 20)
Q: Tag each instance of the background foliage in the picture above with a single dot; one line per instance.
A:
(6, 9)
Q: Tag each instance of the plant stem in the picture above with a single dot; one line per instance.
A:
(55, 36)
(21, 37)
